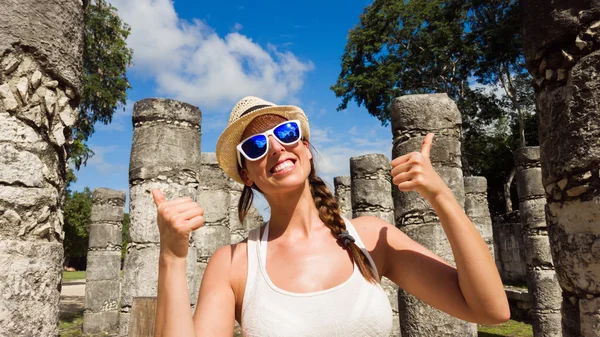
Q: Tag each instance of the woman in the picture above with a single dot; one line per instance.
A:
(308, 271)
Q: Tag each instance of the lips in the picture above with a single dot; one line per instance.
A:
(283, 165)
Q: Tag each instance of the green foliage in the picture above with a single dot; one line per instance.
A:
(427, 46)
(405, 47)
(77, 216)
(105, 61)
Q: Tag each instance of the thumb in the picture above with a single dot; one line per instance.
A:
(159, 198)
(426, 147)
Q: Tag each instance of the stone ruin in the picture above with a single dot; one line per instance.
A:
(561, 46)
(40, 88)
(41, 45)
(102, 288)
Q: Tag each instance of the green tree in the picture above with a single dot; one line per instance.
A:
(105, 61)
(77, 219)
(426, 46)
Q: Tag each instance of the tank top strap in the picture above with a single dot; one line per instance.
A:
(361, 245)
(253, 265)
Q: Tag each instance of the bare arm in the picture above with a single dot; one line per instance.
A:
(473, 290)
(173, 312)
(215, 313)
(176, 220)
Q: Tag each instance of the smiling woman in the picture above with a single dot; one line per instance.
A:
(309, 271)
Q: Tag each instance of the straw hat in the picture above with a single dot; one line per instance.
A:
(242, 114)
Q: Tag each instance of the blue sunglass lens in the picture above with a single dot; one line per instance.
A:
(255, 147)
(288, 132)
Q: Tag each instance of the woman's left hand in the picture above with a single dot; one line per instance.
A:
(414, 172)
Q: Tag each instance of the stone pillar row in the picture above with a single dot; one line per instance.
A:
(535, 248)
(102, 288)
(561, 46)
(41, 48)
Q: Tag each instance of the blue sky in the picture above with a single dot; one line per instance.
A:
(212, 53)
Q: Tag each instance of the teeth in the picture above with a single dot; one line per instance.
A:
(286, 164)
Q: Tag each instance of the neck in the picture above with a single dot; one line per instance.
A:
(293, 213)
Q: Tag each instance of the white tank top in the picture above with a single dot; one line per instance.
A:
(354, 308)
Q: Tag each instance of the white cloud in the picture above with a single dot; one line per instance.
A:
(189, 61)
(99, 162)
(237, 27)
(335, 150)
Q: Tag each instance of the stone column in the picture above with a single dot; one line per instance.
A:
(476, 207)
(343, 196)
(371, 195)
(102, 286)
(371, 187)
(561, 45)
(165, 154)
(507, 248)
(41, 45)
(541, 278)
(214, 197)
(413, 116)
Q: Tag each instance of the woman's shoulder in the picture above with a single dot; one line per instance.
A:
(371, 229)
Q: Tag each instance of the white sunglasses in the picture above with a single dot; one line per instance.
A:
(256, 146)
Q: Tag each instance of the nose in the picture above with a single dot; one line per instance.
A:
(275, 146)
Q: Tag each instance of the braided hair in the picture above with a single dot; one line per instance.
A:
(329, 213)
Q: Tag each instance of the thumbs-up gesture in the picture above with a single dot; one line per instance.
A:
(413, 171)
(176, 219)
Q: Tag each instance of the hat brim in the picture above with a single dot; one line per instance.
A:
(232, 135)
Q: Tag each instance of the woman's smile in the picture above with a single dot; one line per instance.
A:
(283, 166)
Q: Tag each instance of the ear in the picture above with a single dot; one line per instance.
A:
(245, 178)
(305, 142)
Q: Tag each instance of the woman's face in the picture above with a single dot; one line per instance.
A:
(284, 168)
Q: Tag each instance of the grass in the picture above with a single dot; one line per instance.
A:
(73, 275)
(70, 324)
(507, 329)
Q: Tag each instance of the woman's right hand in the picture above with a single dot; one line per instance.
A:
(176, 219)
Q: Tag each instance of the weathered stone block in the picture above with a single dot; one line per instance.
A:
(529, 183)
(103, 265)
(142, 210)
(568, 122)
(160, 147)
(343, 195)
(53, 30)
(97, 323)
(19, 167)
(103, 235)
(106, 212)
(210, 238)
(376, 193)
(102, 195)
(215, 204)
(102, 295)
(30, 287)
(537, 250)
(445, 149)
(407, 112)
(533, 213)
(546, 292)
(589, 309)
(574, 228)
(140, 277)
(475, 185)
